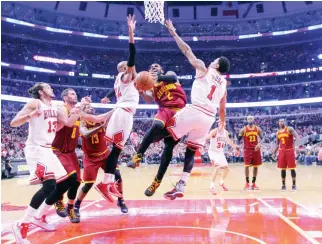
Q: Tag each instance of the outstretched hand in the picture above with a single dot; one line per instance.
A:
(131, 22)
(169, 25)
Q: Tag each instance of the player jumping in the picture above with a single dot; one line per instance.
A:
(286, 152)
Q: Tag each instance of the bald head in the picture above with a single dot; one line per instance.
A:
(122, 66)
(250, 119)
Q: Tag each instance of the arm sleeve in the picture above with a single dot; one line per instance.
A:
(110, 94)
(131, 60)
(167, 78)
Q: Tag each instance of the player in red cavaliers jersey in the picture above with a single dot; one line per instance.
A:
(95, 154)
(252, 153)
(285, 137)
(170, 96)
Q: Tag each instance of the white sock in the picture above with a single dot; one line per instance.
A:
(29, 214)
(185, 176)
(43, 210)
(108, 178)
(221, 182)
(212, 185)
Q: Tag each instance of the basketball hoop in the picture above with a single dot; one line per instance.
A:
(154, 11)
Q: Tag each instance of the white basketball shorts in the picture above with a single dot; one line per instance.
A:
(218, 158)
(194, 122)
(43, 165)
(119, 127)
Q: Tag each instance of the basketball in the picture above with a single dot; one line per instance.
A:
(144, 81)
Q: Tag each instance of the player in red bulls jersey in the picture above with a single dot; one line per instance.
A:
(95, 153)
(252, 153)
(285, 137)
(170, 96)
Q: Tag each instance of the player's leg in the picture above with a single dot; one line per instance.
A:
(248, 158)
(169, 144)
(283, 176)
(247, 186)
(281, 164)
(214, 175)
(291, 164)
(223, 169)
(257, 161)
(119, 185)
(255, 172)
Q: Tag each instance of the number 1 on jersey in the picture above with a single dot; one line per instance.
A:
(213, 89)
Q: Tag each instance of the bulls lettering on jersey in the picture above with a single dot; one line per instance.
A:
(250, 137)
(286, 139)
(218, 142)
(169, 95)
(66, 139)
(94, 146)
(208, 90)
(42, 129)
(126, 94)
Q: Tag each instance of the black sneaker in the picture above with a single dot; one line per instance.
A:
(294, 188)
(77, 212)
(72, 215)
(135, 162)
(152, 188)
(178, 191)
(283, 188)
(60, 209)
(121, 204)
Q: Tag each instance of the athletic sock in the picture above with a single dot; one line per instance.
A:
(254, 180)
(247, 179)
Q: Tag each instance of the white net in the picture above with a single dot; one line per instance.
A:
(154, 11)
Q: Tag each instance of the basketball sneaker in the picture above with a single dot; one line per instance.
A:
(42, 223)
(60, 209)
(254, 187)
(108, 190)
(77, 212)
(247, 187)
(212, 191)
(72, 215)
(135, 162)
(294, 188)
(121, 204)
(152, 188)
(20, 232)
(178, 191)
(223, 187)
(283, 188)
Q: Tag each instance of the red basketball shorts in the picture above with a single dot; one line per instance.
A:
(70, 162)
(165, 114)
(286, 159)
(252, 157)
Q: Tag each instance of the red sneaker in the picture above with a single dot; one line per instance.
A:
(170, 195)
(254, 187)
(112, 189)
(247, 187)
(102, 189)
(223, 187)
(20, 232)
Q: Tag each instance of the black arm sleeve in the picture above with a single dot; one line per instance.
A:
(131, 60)
(167, 78)
(110, 94)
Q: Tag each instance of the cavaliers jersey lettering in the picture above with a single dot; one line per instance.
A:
(286, 139)
(218, 142)
(95, 145)
(169, 95)
(208, 90)
(42, 129)
(250, 137)
(66, 139)
(126, 94)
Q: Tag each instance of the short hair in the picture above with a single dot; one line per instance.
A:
(34, 91)
(65, 92)
(250, 117)
(224, 65)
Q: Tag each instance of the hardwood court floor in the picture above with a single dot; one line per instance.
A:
(265, 216)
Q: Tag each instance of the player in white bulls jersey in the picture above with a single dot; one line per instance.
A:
(218, 140)
(208, 93)
(120, 125)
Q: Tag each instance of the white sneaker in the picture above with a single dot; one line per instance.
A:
(42, 223)
(20, 232)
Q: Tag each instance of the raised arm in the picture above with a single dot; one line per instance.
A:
(222, 112)
(30, 110)
(211, 134)
(97, 118)
(86, 132)
(186, 50)
(130, 72)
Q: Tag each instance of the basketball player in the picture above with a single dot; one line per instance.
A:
(252, 152)
(95, 153)
(218, 140)
(286, 152)
(207, 93)
(43, 117)
(121, 122)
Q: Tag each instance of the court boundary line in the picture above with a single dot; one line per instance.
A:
(162, 227)
(289, 222)
(55, 221)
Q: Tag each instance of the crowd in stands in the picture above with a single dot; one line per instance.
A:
(98, 60)
(49, 18)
